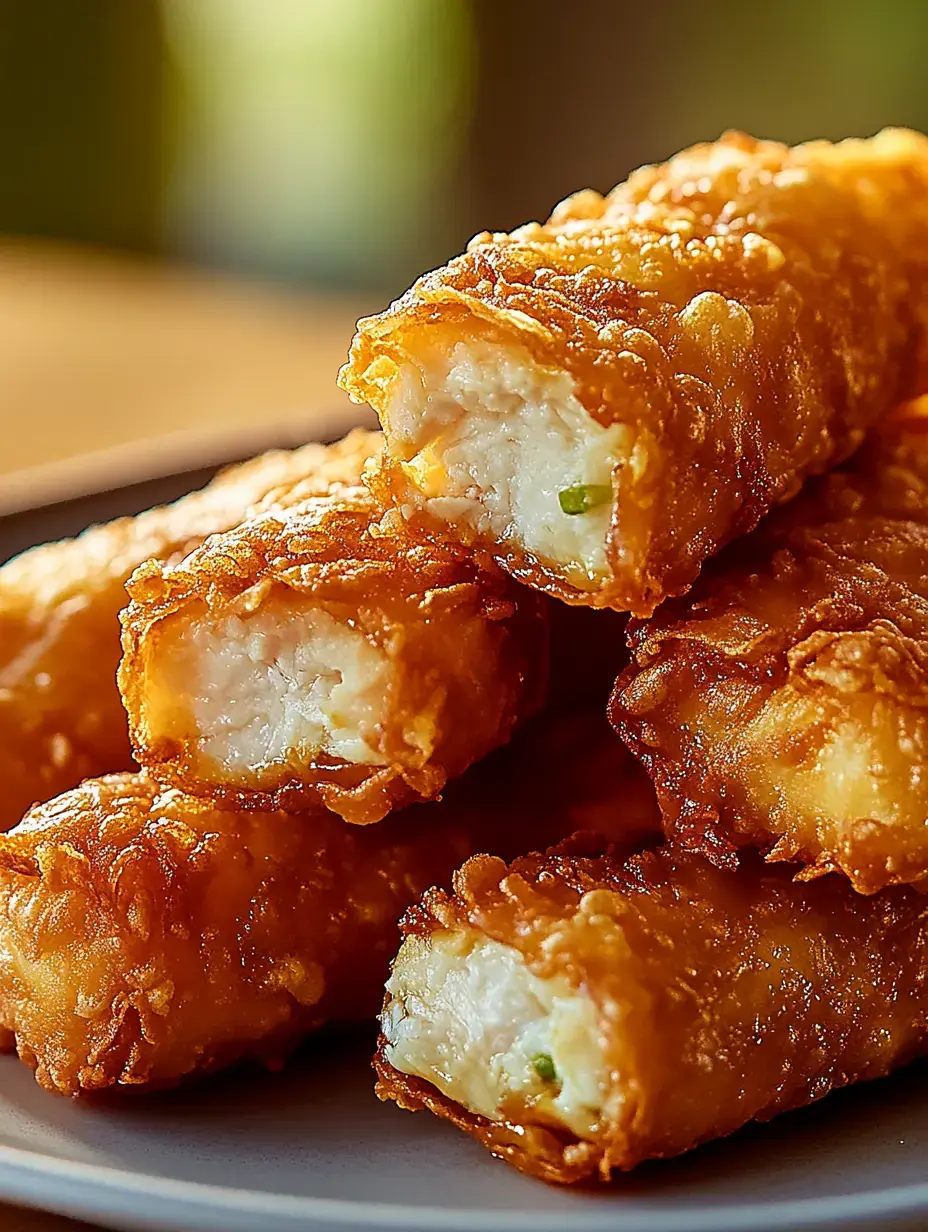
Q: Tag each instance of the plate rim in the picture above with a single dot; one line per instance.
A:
(841, 1210)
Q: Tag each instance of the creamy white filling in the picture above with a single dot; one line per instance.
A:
(467, 1015)
(492, 438)
(276, 686)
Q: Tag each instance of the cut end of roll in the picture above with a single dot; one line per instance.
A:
(465, 1014)
(251, 693)
(500, 447)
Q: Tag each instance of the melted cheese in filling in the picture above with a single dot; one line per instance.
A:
(491, 438)
(467, 1015)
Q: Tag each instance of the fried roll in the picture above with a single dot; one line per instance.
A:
(320, 654)
(784, 702)
(146, 936)
(580, 1013)
(61, 718)
(602, 401)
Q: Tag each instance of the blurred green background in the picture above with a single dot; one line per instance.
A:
(356, 142)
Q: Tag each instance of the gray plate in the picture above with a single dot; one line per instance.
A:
(312, 1148)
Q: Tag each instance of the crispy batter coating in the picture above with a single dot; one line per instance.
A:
(740, 314)
(61, 718)
(784, 702)
(720, 997)
(147, 937)
(319, 653)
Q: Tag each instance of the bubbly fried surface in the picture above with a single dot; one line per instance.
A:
(743, 312)
(146, 936)
(784, 701)
(61, 718)
(721, 997)
(321, 653)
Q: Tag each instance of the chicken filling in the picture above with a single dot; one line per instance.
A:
(466, 1014)
(492, 439)
(279, 686)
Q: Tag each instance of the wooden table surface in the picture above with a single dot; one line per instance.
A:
(113, 370)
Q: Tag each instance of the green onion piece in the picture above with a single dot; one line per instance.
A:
(544, 1067)
(583, 497)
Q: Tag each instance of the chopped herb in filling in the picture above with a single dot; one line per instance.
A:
(544, 1067)
(583, 497)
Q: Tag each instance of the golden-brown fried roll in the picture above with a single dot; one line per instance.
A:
(577, 1014)
(784, 701)
(147, 937)
(319, 653)
(61, 718)
(603, 401)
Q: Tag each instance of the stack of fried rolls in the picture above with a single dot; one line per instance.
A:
(693, 344)
(150, 935)
(664, 913)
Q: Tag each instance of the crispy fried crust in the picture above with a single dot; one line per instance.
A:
(784, 702)
(467, 648)
(146, 937)
(722, 997)
(61, 718)
(747, 309)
